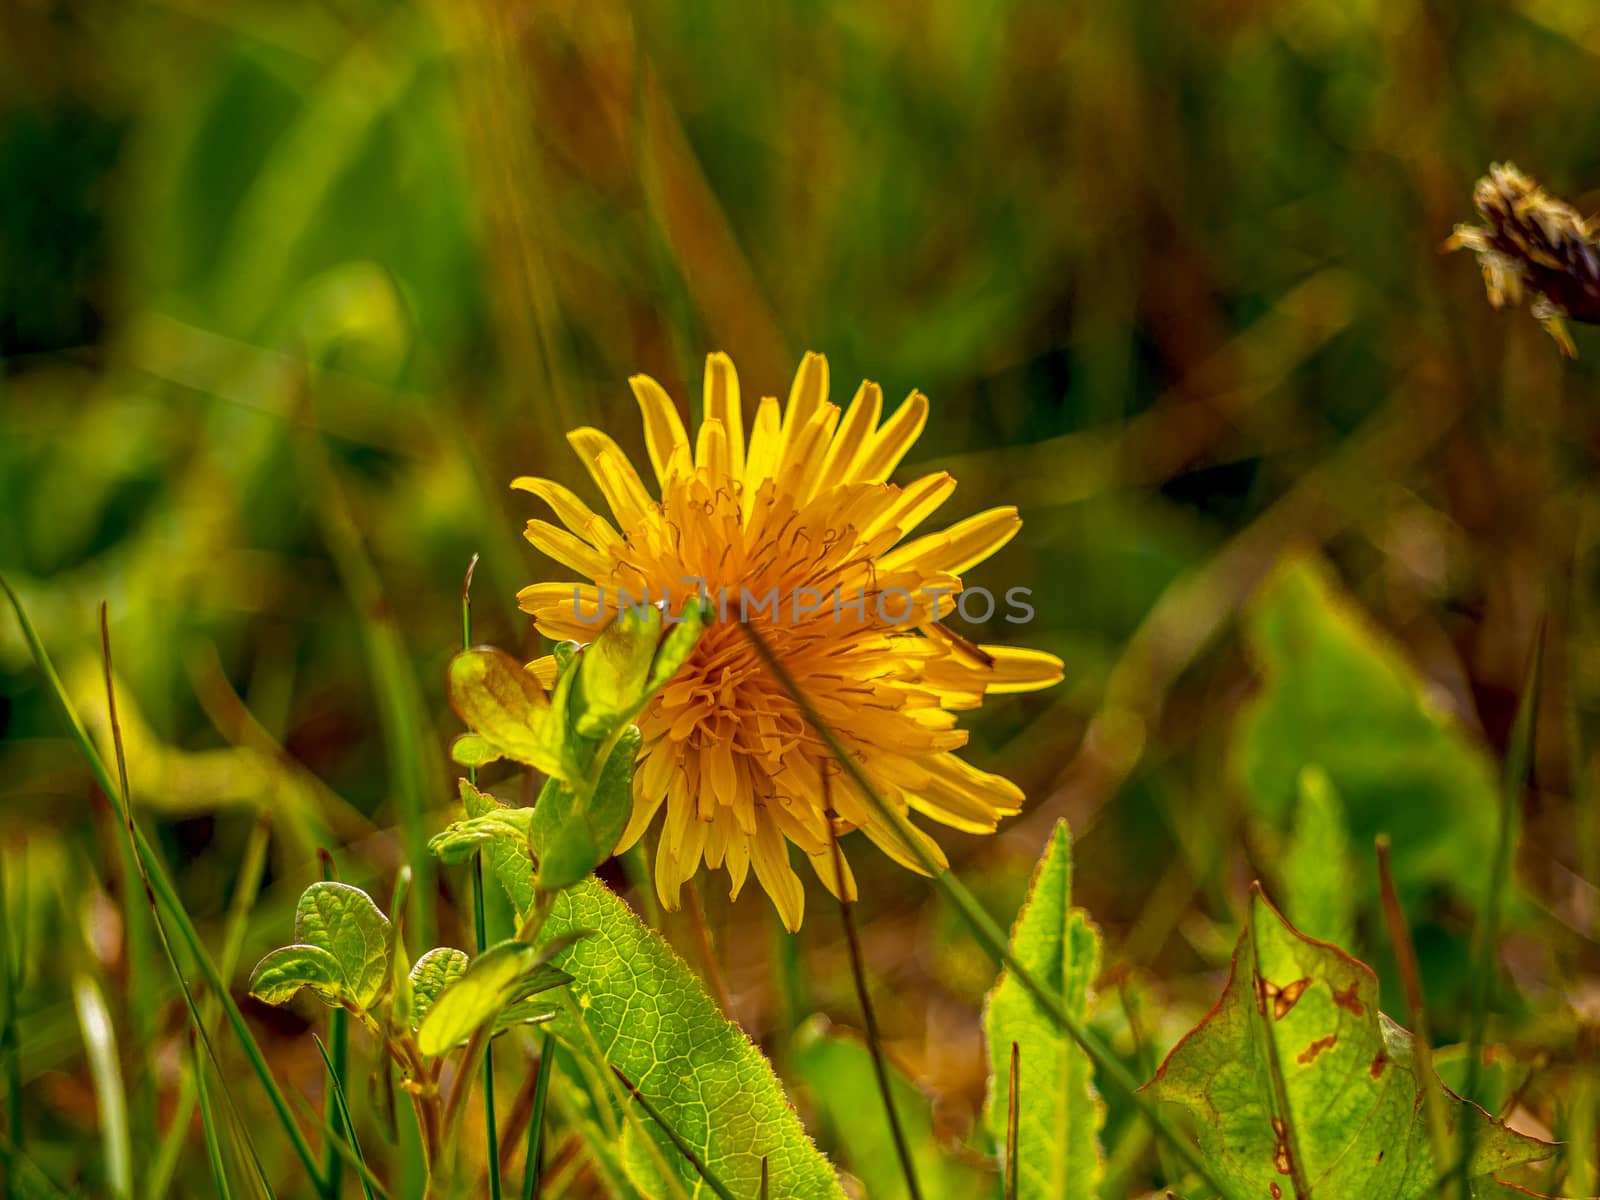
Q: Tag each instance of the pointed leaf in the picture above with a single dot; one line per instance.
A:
(344, 921)
(573, 837)
(1296, 1071)
(1318, 882)
(281, 974)
(501, 701)
(654, 1022)
(676, 647)
(434, 971)
(1059, 1112)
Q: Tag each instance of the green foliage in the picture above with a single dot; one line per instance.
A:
(1339, 696)
(1298, 1083)
(1059, 1112)
(836, 1068)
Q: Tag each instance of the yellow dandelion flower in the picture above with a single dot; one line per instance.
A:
(795, 526)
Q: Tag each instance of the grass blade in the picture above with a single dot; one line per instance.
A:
(163, 891)
(336, 1094)
(207, 1125)
(100, 1041)
(533, 1169)
(10, 1041)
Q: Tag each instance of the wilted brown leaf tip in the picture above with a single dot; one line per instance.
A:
(1535, 242)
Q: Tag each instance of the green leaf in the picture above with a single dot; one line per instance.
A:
(344, 921)
(653, 1021)
(512, 861)
(837, 1069)
(610, 687)
(1318, 882)
(572, 838)
(281, 974)
(1338, 694)
(490, 982)
(1296, 1068)
(433, 972)
(1059, 1113)
(501, 701)
(470, 750)
(456, 842)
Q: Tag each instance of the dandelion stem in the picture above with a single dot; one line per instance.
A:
(708, 955)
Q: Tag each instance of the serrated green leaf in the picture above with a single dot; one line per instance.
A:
(1318, 883)
(483, 990)
(837, 1069)
(1296, 1069)
(470, 750)
(281, 974)
(457, 841)
(1059, 1112)
(1337, 694)
(344, 921)
(572, 837)
(512, 862)
(501, 701)
(433, 972)
(610, 686)
(654, 1022)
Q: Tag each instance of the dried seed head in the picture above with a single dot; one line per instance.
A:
(1536, 243)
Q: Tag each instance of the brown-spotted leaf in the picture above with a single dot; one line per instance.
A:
(1296, 1074)
(506, 706)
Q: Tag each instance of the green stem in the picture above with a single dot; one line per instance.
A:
(479, 925)
(983, 927)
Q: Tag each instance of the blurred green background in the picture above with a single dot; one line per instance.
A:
(290, 292)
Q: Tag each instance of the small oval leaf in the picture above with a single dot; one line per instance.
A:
(470, 750)
(435, 971)
(280, 975)
(456, 842)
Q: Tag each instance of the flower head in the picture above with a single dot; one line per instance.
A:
(1537, 242)
(794, 526)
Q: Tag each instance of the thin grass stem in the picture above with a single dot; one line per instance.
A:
(681, 1146)
(533, 1168)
